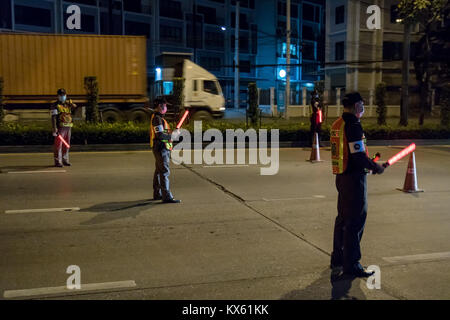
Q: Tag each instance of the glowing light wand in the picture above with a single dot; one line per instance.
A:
(180, 123)
(400, 155)
(63, 141)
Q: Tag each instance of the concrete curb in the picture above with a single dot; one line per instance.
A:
(146, 147)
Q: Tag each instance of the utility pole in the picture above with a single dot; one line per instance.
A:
(194, 25)
(236, 58)
(288, 58)
(405, 74)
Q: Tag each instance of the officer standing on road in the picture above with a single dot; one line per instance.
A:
(350, 163)
(61, 112)
(316, 122)
(161, 143)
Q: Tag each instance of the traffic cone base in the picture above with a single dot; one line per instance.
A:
(410, 185)
(315, 150)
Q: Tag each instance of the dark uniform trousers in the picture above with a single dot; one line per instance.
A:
(351, 218)
(161, 187)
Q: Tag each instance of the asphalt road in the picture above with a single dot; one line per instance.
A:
(236, 235)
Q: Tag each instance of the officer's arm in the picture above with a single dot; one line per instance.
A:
(54, 114)
(357, 148)
(159, 129)
(72, 105)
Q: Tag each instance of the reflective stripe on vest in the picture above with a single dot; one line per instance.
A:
(169, 145)
(339, 149)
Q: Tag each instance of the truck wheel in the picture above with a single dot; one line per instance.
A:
(139, 116)
(111, 116)
(202, 115)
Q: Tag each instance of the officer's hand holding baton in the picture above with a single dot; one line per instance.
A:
(379, 168)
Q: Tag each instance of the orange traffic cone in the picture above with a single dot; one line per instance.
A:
(410, 185)
(315, 151)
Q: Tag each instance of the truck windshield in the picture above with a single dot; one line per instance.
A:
(210, 87)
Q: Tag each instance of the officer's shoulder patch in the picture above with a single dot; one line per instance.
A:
(356, 146)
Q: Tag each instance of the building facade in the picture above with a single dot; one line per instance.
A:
(358, 58)
(208, 35)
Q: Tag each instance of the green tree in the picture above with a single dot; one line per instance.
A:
(445, 105)
(92, 91)
(253, 103)
(428, 14)
(2, 111)
(380, 101)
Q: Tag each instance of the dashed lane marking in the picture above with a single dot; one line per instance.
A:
(38, 171)
(419, 257)
(9, 294)
(227, 166)
(318, 196)
(42, 210)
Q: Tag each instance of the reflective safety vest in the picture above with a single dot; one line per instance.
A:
(339, 146)
(168, 144)
(65, 114)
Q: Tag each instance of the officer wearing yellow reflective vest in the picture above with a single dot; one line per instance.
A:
(350, 164)
(61, 112)
(161, 143)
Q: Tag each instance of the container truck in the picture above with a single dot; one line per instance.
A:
(35, 66)
(202, 91)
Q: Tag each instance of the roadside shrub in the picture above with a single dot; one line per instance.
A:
(445, 105)
(253, 103)
(91, 87)
(2, 111)
(130, 132)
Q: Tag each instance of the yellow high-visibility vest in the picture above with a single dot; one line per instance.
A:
(169, 145)
(65, 114)
(339, 146)
(339, 149)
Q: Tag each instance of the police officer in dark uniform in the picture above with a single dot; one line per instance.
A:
(161, 143)
(351, 164)
(316, 107)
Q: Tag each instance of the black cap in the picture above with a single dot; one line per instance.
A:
(159, 101)
(351, 98)
(61, 91)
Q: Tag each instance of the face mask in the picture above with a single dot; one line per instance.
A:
(359, 109)
(62, 98)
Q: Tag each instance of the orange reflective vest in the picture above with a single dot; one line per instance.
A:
(339, 147)
(168, 144)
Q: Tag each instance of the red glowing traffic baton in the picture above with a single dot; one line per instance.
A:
(64, 141)
(401, 154)
(320, 116)
(180, 123)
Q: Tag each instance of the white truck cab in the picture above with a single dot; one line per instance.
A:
(202, 91)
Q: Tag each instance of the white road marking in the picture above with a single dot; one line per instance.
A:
(318, 196)
(42, 210)
(227, 166)
(40, 171)
(419, 257)
(8, 294)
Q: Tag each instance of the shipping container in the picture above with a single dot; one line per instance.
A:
(34, 66)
